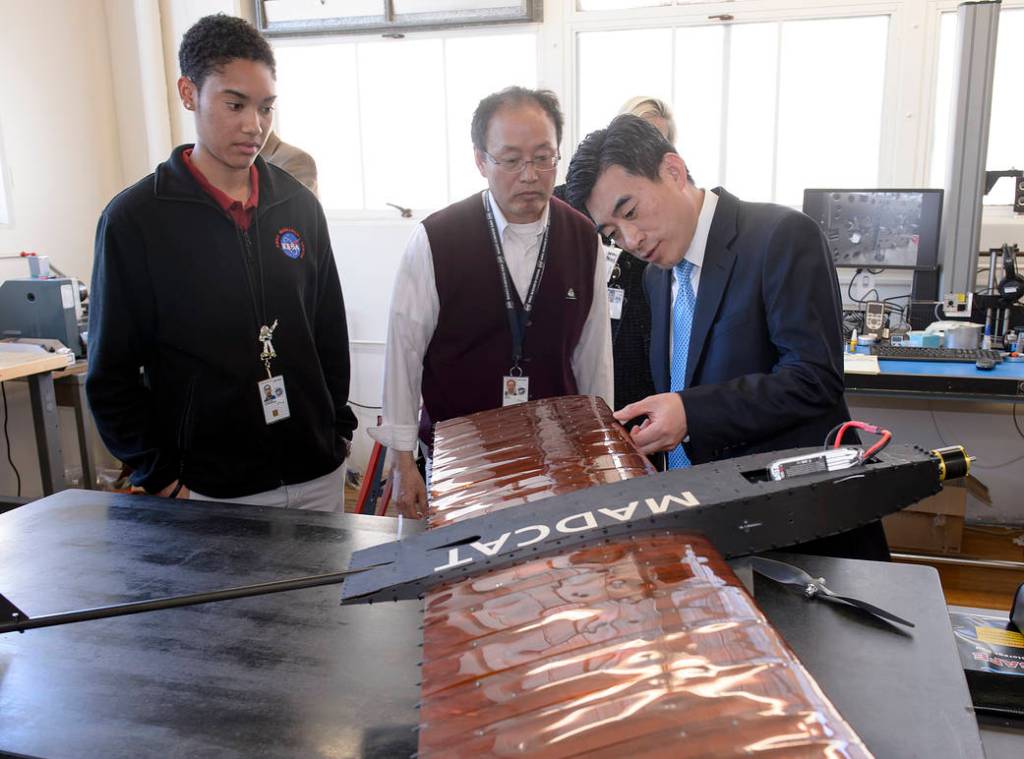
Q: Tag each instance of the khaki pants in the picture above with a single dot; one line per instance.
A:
(325, 493)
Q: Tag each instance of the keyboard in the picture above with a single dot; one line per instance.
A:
(908, 353)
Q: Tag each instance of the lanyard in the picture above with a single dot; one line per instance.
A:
(518, 312)
(259, 305)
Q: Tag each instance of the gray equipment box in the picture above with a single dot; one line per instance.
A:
(42, 308)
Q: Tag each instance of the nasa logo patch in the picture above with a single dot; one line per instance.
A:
(290, 242)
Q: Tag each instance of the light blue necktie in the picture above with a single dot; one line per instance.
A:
(682, 320)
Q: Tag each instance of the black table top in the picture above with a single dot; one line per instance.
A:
(284, 675)
(904, 691)
(294, 674)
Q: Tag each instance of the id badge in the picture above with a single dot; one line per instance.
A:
(274, 399)
(514, 390)
(616, 297)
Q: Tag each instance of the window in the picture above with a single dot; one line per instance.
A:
(388, 121)
(1005, 150)
(298, 17)
(765, 109)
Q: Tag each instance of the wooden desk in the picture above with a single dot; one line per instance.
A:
(21, 362)
(69, 385)
(18, 363)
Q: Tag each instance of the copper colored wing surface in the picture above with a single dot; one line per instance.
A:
(501, 458)
(638, 647)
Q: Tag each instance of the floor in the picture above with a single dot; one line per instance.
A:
(983, 587)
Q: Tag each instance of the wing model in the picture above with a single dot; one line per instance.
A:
(645, 645)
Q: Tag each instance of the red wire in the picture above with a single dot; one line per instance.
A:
(842, 431)
(872, 429)
(886, 437)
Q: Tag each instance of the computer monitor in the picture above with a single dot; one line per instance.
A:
(884, 229)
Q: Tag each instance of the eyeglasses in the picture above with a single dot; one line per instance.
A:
(541, 163)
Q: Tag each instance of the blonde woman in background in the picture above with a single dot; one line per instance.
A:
(655, 111)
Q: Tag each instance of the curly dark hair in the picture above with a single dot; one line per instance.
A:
(630, 142)
(214, 41)
(487, 107)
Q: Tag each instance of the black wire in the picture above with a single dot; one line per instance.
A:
(902, 309)
(942, 439)
(360, 405)
(849, 289)
(17, 474)
(832, 432)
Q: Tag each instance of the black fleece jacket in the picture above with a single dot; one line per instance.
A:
(173, 292)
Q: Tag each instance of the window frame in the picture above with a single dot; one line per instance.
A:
(525, 11)
(910, 80)
(738, 12)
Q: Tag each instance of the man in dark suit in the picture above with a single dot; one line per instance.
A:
(746, 340)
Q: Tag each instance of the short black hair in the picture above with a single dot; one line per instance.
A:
(487, 107)
(630, 142)
(214, 41)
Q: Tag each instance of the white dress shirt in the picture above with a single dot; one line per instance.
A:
(415, 307)
(695, 255)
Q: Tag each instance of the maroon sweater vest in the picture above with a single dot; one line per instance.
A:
(471, 349)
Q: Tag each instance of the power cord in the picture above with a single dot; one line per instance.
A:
(369, 408)
(849, 287)
(902, 309)
(7, 438)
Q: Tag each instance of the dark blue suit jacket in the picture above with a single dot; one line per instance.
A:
(765, 362)
(765, 367)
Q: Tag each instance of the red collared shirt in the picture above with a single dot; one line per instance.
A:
(240, 212)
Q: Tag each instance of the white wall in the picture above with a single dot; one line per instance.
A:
(61, 138)
(986, 430)
(367, 254)
(176, 17)
(140, 89)
(62, 147)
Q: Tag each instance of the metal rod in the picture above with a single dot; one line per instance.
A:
(989, 312)
(1014, 566)
(172, 602)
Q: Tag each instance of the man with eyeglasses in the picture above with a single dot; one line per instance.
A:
(500, 298)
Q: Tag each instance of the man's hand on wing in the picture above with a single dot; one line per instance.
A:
(665, 425)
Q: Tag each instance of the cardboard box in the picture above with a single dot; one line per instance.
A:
(934, 525)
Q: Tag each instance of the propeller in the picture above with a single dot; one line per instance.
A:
(814, 587)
